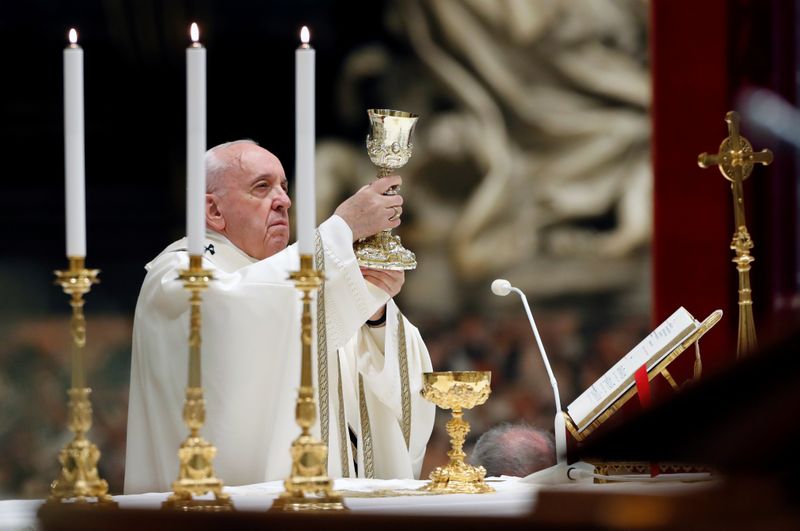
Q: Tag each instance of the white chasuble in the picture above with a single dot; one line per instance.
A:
(251, 368)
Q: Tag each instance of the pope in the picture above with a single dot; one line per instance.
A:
(367, 373)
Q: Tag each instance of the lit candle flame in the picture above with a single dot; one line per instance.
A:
(305, 35)
(194, 32)
(73, 36)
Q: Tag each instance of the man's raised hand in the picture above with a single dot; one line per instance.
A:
(368, 211)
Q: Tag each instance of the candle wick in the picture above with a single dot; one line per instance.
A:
(305, 46)
(73, 45)
(196, 45)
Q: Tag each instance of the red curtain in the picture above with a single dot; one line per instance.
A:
(693, 219)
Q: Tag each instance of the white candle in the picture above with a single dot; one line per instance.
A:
(73, 148)
(304, 144)
(195, 144)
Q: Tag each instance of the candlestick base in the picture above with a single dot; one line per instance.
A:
(78, 481)
(196, 474)
(308, 488)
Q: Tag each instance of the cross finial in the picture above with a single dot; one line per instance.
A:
(735, 158)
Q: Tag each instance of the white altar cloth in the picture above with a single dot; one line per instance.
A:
(513, 498)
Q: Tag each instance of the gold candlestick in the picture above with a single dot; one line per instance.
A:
(196, 473)
(308, 488)
(79, 480)
(389, 147)
(735, 161)
(457, 391)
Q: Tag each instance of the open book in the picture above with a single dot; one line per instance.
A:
(619, 378)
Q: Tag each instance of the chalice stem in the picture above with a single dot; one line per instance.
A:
(385, 172)
(457, 428)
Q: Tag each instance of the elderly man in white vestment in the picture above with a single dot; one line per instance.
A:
(367, 371)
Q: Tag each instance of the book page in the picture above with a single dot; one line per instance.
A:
(619, 378)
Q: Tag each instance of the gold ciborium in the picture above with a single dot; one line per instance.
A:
(457, 391)
(389, 147)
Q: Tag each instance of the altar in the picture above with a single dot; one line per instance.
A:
(515, 501)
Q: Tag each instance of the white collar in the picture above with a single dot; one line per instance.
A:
(218, 250)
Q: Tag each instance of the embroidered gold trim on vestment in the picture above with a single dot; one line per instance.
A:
(322, 345)
(343, 443)
(366, 432)
(404, 387)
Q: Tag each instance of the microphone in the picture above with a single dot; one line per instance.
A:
(503, 287)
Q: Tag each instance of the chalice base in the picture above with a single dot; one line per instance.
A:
(458, 478)
(185, 490)
(384, 251)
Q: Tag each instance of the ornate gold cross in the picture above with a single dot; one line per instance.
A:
(735, 161)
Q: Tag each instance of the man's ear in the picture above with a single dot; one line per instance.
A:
(214, 218)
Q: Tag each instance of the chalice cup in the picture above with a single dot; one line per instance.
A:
(389, 147)
(457, 391)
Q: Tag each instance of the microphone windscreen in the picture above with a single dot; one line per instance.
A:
(501, 287)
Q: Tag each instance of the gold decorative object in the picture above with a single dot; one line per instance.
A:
(627, 468)
(735, 161)
(389, 147)
(308, 488)
(457, 391)
(196, 473)
(79, 480)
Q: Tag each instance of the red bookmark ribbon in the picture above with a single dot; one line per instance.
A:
(645, 400)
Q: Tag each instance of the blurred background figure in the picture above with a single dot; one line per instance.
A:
(514, 450)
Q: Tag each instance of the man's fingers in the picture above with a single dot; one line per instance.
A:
(378, 282)
(383, 184)
(391, 200)
(386, 274)
(389, 281)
